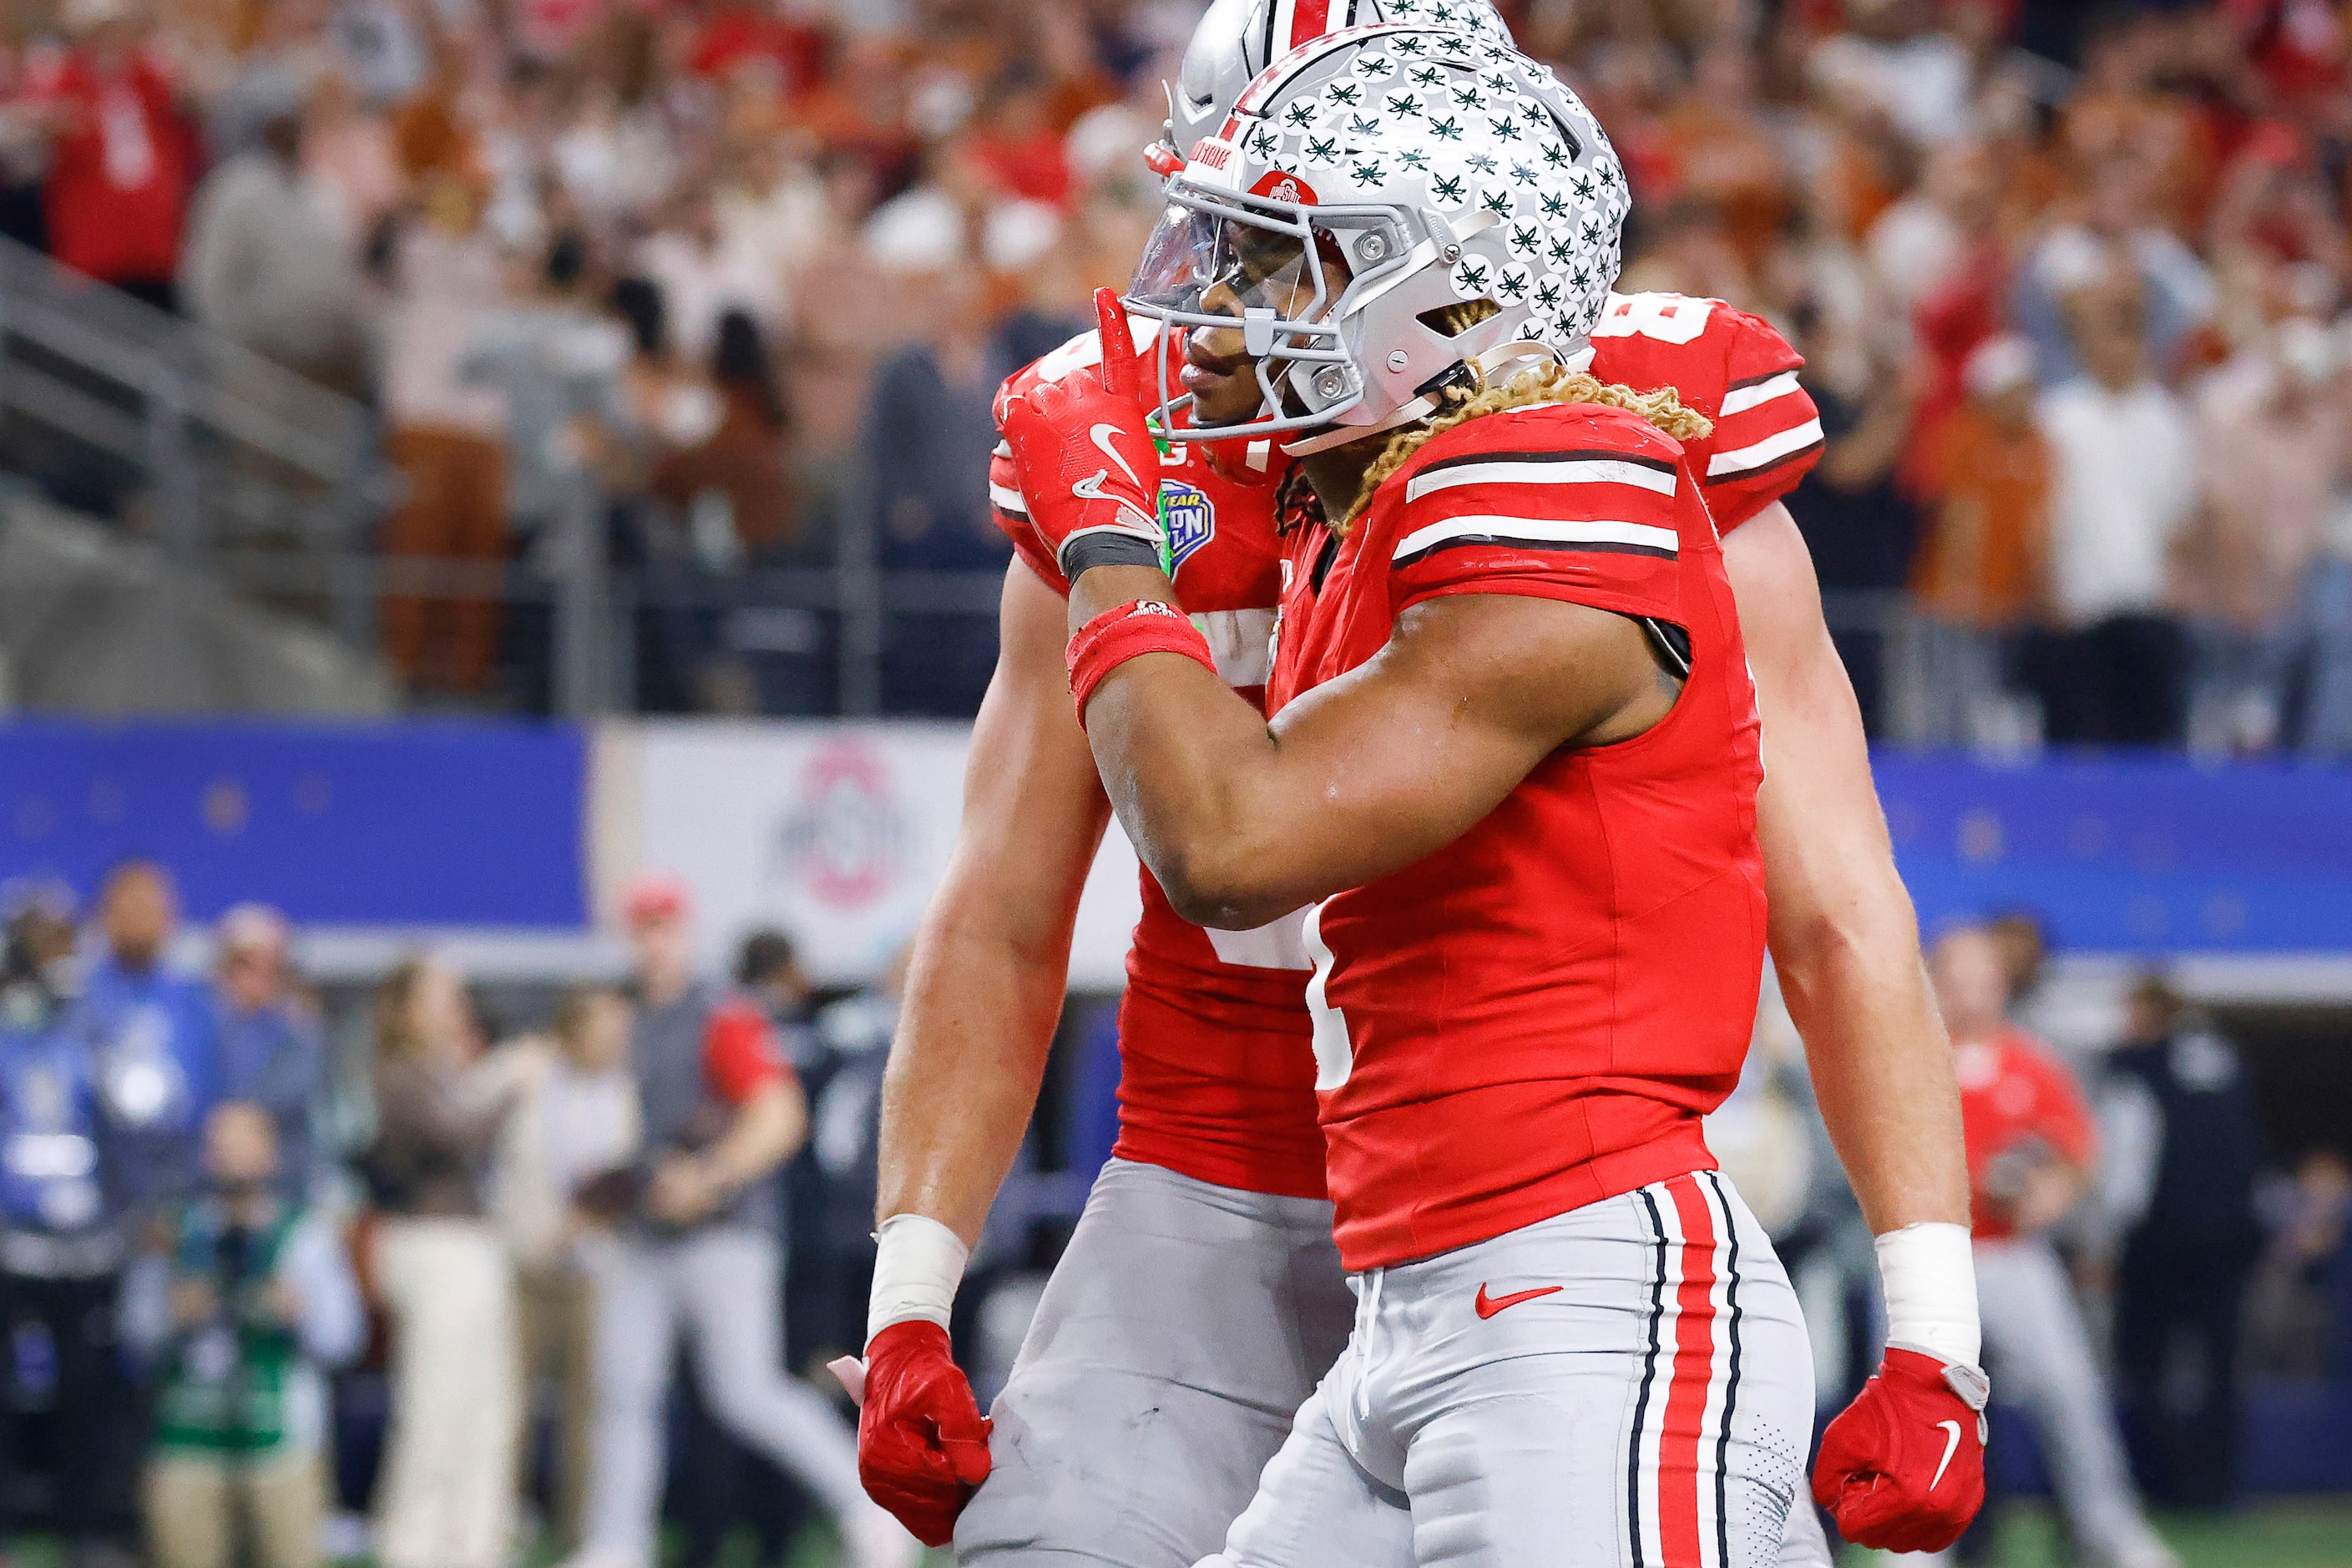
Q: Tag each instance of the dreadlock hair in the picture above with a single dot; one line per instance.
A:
(1295, 504)
(1551, 382)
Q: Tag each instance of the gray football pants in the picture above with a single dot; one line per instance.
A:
(1183, 1331)
(1626, 1386)
(1183, 1328)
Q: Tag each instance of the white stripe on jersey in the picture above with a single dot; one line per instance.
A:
(1796, 438)
(1241, 641)
(1584, 471)
(1543, 529)
(1741, 399)
(1277, 945)
(1010, 499)
(1003, 449)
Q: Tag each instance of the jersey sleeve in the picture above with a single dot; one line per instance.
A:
(1767, 433)
(1573, 503)
(739, 1053)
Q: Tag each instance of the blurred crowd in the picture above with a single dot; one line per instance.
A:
(705, 283)
(277, 1291)
(429, 1271)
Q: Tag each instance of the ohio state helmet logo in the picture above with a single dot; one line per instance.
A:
(1283, 185)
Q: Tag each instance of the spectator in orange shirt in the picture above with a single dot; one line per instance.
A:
(1980, 568)
(2031, 1150)
(1722, 150)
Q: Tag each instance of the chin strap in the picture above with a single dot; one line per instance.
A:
(1502, 361)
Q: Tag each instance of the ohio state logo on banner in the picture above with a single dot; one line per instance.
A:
(846, 834)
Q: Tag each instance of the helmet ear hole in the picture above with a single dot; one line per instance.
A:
(1452, 320)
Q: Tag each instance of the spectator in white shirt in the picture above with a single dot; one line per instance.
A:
(573, 1133)
(2124, 485)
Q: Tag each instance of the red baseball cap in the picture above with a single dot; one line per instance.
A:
(656, 896)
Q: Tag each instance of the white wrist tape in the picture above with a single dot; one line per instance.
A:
(1929, 1275)
(917, 1267)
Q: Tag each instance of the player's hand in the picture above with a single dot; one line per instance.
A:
(1902, 1469)
(1089, 470)
(922, 1443)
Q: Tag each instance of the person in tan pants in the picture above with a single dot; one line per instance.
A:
(573, 1131)
(261, 1298)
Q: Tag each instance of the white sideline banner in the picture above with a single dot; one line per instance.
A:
(836, 832)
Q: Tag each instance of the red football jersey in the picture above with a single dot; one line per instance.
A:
(1735, 369)
(2015, 1092)
(1216, 1081)
(1215, 1078)
(1537, 1016)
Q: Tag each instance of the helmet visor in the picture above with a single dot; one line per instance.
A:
(1218, 263)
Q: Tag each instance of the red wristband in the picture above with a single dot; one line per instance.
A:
(1115, 635)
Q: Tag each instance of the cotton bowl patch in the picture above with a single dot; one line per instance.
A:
(1188, 516)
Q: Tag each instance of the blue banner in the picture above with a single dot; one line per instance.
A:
(2133, 854)
(424, 823)
(450, 823)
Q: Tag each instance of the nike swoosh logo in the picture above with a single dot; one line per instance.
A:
(1951, 1446)
(1487, 1306)
(1100, 436)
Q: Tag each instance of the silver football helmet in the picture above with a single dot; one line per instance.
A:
(1363, 197)
(1236, 39)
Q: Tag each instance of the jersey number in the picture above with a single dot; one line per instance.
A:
(1335, 1054)
(1274, 945)
(1668, 318)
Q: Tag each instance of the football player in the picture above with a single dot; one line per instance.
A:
(1515, 796)
(1201, 1301)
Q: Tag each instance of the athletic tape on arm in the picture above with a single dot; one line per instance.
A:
(1930, 1273)
(918, 1264)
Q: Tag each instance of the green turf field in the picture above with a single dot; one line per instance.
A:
(2302, 1532)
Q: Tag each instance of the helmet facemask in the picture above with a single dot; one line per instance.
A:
(1283, 275)
(1473, 216)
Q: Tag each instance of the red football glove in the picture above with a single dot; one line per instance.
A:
(1902, 1469)
(1089, 470)
(922, 1443)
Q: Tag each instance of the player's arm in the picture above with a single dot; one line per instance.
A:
(768, 1129)
(1846, 940)
(990, 959)
(1843, 935)
(1486, 671)
(983, 992)
(1242, 821)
